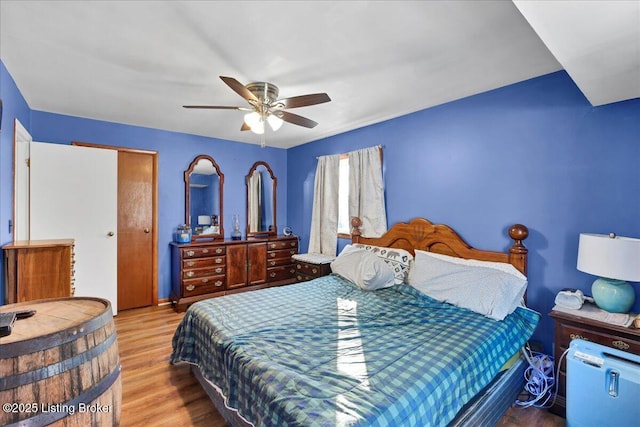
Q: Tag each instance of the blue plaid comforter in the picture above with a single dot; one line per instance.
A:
(325, 353)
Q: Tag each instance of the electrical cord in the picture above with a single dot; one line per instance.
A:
(540, 379)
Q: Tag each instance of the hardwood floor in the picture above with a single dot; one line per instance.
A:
(155, 393)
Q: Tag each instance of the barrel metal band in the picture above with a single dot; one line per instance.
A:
(46, 418)
(57, 368)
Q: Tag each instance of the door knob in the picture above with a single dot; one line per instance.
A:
(146, 230)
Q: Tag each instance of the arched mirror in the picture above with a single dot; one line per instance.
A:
(203, 198)
(261, 200)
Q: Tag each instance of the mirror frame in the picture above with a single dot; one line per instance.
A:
(274, 232)
(187, 196)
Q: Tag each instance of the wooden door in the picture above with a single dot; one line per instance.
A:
(257, 255)
(135, 229)
(236, 265)
(73, 195)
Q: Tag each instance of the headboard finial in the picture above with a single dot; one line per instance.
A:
(356, 223)
(518, 233)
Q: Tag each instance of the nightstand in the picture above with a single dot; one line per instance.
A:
(312, 266)
(569, 327)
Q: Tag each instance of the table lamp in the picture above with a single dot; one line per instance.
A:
(615, 259)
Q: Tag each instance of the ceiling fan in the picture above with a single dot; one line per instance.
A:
(266, 107)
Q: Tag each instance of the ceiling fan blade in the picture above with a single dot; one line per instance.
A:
(239, 88)
(295, 119)
(304, 100)
(215, 107)
(244, 127)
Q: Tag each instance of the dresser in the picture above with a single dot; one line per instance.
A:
(207, 269)
(38, 269)
(569, 327)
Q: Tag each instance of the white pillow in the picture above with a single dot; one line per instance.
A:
(363, 268)
(488, 291)
(502, 266)
(398, 259)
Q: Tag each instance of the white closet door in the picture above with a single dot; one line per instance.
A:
(74, 193)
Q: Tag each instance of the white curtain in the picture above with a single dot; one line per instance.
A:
(366, 191)
(323, 238)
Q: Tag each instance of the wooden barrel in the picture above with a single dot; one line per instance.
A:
(61, 366)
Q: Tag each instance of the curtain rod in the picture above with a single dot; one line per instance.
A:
(380, 146)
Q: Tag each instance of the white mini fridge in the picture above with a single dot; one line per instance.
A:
(603, 386)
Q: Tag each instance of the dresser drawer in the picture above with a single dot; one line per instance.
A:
(568, 332)
(303, 277)
(313, 270)
(203, 262)
(277, 262)
(283, 244)
(199, 252)
(281, 273)
(203, 272)
(281, 253)
(203, 285)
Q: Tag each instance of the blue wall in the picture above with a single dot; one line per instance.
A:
(13, 106)
(534, 153)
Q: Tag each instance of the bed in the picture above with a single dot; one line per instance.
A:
(329, 353)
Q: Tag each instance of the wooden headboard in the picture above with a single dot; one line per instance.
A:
(420, 233)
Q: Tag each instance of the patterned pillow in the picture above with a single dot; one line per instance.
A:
(398, 259)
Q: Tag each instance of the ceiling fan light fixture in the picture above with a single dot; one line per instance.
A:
(255, 122)
(274, 121)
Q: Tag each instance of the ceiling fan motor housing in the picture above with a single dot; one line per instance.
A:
(267, 93)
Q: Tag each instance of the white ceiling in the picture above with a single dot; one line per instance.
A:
(138, 62)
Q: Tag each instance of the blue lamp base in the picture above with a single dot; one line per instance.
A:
(614, 296)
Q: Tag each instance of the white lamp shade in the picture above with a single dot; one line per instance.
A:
(274, 121)
(610, 257)
(254, 121)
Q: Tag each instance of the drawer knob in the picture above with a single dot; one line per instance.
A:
(205, 251)
(314, 270)
(219, 250)
(218, 270)
(190, 273)
(205, 280)
(577, 337)
(299, 266)
(273, 246)
(218, 260)
(272, 275)
(292, 271)
(620, 345)
(218, 283)
(272, 263)
(292, 252)
(190, 264)
(190, 253)
(272, 255)
(293, 244)
(190, 287)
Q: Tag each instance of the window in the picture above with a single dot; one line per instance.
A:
(359, 173)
